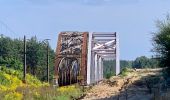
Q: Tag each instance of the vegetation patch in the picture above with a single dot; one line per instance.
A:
(125, 71)
(12, 88)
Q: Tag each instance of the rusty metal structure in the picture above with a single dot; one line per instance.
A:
(71, 58)
(79, 56)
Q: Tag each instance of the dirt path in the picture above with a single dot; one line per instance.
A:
(131, 87)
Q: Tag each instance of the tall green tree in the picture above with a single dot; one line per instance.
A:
(10, 52)
(33, 54)
(141, 62)
(161, 42)
(6, 45)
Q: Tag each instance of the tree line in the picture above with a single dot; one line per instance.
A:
(12, 55)
(139, 62)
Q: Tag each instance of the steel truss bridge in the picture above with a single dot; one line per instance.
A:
(80, 55)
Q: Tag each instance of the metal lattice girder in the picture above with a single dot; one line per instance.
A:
(71, 58)
(102, 46)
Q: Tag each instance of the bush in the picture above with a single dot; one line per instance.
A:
(124, 71)
(11, 79)
(70, 91)
(11, 63)
(109, 74)
(8, 82)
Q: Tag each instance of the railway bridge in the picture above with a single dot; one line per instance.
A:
(80, 55)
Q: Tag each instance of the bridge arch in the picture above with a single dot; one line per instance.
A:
(68, 70)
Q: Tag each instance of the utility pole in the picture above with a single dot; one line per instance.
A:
(45, 41)
(47, 62)
(25, 62)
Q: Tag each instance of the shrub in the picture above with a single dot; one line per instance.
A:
(124, 71)
(11, 79)
(109, 74)
(8, 82)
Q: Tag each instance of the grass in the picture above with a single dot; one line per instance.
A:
(50, 93)
(43, 93)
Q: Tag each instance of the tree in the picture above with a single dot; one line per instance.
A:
(32, 54)
(36, 58)
(154, 63)
(161, 42)
(109, 67)
(144, 62)
(5, 47)
(125, 63)
(141, 62)
(11, 55)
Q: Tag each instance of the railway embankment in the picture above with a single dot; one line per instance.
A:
(138, 84)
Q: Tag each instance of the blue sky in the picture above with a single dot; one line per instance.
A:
(133, 20)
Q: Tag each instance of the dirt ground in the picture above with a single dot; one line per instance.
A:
(130, 87)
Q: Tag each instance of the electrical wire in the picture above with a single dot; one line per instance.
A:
(7, 27)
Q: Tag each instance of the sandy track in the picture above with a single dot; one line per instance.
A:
(131, 87)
